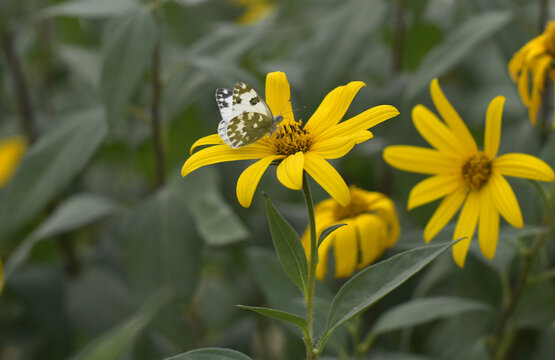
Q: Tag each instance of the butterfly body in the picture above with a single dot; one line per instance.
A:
(246, 118)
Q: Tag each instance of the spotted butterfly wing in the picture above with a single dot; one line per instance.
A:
(246, 117)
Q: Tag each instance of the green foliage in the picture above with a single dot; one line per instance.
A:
(211, 354)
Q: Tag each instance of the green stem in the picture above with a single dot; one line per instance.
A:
(309, 297)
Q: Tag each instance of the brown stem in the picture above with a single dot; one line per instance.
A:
(399, 38)
(18, 78)
(155, 112)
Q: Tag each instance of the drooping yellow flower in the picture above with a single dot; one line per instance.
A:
(529, 67)
(372, 226)
(11, 152)
(255, 10)
(464, 175)
(297, 148)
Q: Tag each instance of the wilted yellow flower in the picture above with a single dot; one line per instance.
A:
(255, 10)
(11, 152)
(534, 59)
(372, 226)
(297, 148)
(464, 175)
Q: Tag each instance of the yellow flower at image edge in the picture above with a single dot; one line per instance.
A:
(463, 175)
(11, 152)
(535, 59)
(255, 10)
(371, 227)
(297, 148)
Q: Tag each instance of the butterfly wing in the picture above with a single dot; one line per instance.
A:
(246, 128)
(245, 99)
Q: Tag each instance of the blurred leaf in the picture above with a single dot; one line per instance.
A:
(117, 341)
(328, 231)
(214, 218)
(82, 61)
(376, 281)
(160, 245)
(288, 247)
(90, 8)
(222, 71)
(73, 213)
(420, 311)
(419, 39)
(127, 52)
(49, 165)
(211, 354)
(457, 46)
(279, 315)
(401, 356)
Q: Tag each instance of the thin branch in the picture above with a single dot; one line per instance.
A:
(399, 38)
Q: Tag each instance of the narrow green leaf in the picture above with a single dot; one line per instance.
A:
(279, 315)
(90, 8)
(328, 231)
(457, 46)
(114, 344)
(73, 213)
(49, 166)
(129, 43)
(211, 354)
(288, 247)
(420, 311)
(376, 281)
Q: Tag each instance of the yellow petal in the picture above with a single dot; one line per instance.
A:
(488, 229)
(12, 150)
(290, 171)
(444, 213)
(249, 179)
(421, 160)
(333, 147)
(345, 250)
(332, 108)
(214, 139)
(323, 256)
(222, 153)
(516, 63)
(373, 238)
(493, 126)
(327, 177)
(505, 200)
(362, 121)
(466, 226)
(362, 136)
(278, 95)
(452, 118)
(433, 188)
(538, 84)
(524, 86)
(524, 166)
(436, 132)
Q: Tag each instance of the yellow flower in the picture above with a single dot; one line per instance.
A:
(11, 152)
(255, 10)
(372, 226)
(294, 146)
(464, 175)
(535, 59)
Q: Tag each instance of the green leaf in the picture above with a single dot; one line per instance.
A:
(90, 8)
(420, 311)
(328, 231)
(49, 166)
(160, 245)
(457, 46)
(129, 43)
(211, 354)
(280, 315)
(288, 247)
(72, 214)
(82, 62)
(114, 344)
(214, 218)
(376, 281)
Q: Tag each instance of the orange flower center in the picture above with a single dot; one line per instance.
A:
(290, 139)
(476, 171)
(357, 206)
(550, 37)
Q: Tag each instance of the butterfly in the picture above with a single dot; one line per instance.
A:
(246, 117)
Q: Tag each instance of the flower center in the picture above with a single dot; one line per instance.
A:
(357, 206)
(290, 139)
(550, 37)
(476, 171)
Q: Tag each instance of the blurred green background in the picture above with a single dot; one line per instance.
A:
(106, 258)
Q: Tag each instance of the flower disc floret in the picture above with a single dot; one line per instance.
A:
(476, 171)
(291, 138)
